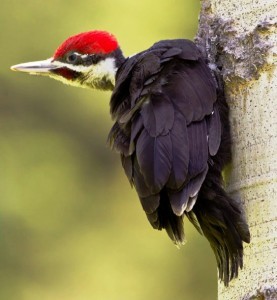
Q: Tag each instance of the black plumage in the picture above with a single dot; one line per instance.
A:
(171, 129)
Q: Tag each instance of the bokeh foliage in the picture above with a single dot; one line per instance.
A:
(70, 225)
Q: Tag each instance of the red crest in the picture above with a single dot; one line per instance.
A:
(98, 42)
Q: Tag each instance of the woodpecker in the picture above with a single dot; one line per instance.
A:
(171, 130)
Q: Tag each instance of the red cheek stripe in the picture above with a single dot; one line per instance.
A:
(66, 73)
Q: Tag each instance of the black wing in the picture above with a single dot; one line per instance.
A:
(173, 136)
(164, 108)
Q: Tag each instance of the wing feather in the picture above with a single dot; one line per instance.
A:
(189, 51)
(184, 200)
(198, 147)
(154, 155)
(149, 201)
(127, 165)
(167, 127)
(180, 152)
(146, 66)
(157, 115)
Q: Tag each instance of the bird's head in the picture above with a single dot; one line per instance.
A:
(89, 59)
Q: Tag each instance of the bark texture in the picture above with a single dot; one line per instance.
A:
(239, 37)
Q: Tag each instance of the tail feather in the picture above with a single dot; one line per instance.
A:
(215, 215)
(222, 222)
(165, 218)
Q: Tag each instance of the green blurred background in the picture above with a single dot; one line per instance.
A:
(71, 228)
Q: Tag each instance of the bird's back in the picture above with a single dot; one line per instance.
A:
(163, 105)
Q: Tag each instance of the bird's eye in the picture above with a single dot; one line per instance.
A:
(72, 58)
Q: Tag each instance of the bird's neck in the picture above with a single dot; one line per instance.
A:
(103, 75)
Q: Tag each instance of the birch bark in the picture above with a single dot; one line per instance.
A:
(240, 36)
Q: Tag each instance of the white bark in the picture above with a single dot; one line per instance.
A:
(241, 36)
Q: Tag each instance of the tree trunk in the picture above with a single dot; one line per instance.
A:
(240, 37)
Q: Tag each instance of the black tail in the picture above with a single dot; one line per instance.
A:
(173, 224)
(164, 218)
(216, 215)
(222, 221)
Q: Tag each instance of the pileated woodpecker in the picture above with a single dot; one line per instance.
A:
(171, 129)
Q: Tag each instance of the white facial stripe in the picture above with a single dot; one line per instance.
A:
(77, 68)
(93, 74)
(84, 56)
(106, 66)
